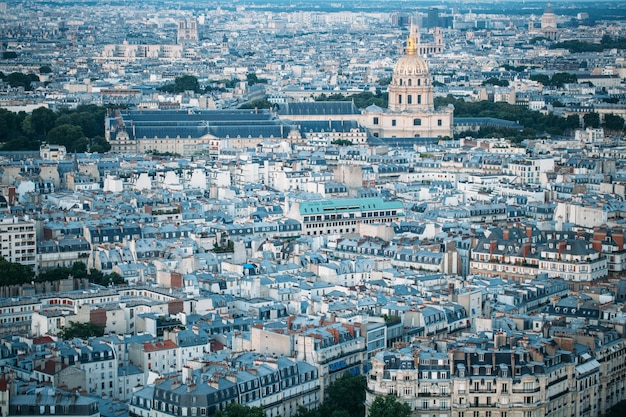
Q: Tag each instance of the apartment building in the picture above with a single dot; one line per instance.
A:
(18, 240)
(469, 381)
(344, 215)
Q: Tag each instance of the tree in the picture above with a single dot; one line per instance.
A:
(572, 121)
(613, 122)
(304, 412)
(42, 119)
(592, 120)
(260, 103)
(45, 69)
(252, 79)
(70, 136)
(561, 78)
(9, 55)
(81, 330)
(238, 410)
(389, 406)
(17, 79)
(14, 273)
(342, 142)
(347, 393)
(182, 84)
(387, 80)
(496, 81)
(541, 78)
(618, 410)
(99, 144)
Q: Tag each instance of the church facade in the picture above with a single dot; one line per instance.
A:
(411, 112)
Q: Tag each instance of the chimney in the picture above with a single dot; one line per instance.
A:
(513, 364)
(187, 375)
(505, 233)
(526, 249)
(529, 232)
(618, 237)
(561, 247)
(493, 243)
(599, 234)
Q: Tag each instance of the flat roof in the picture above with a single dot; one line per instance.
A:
(348, 205)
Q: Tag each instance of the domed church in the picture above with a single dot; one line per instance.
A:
(411, 111)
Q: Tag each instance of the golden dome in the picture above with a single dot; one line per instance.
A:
(411, 63)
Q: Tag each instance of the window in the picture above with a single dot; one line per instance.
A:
(393, 122)
(419, 99)
(409, 99)
(439, 122)
(505, 388)
(375, 120)
(399, 98)
(410, 82)
(417, 122)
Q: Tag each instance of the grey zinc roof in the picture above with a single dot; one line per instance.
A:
(319, 108)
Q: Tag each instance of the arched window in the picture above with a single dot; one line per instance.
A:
(419, 99)
(399, 98)
(409, 99)
(410, 82)
(417, 122)
(419, 81)
(400, 81)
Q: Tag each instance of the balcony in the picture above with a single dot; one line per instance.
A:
(526, 391)
(474, 405)
(430, 394)
(482, 391)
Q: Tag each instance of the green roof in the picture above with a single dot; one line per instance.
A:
(348, 205)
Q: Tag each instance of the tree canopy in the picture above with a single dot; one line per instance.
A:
(260, 103)
(533, 122)
(346, 397)
(592, 120)
(81, 330)
(238, 410)
(576, 46)
(496, 81)
(389, 406)
(361, 100)
(18, 79)
(79, 129)
(14, 273)
(613, 122)
(79, 270)
(557, 80)
(253, 79)
(182, 84)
